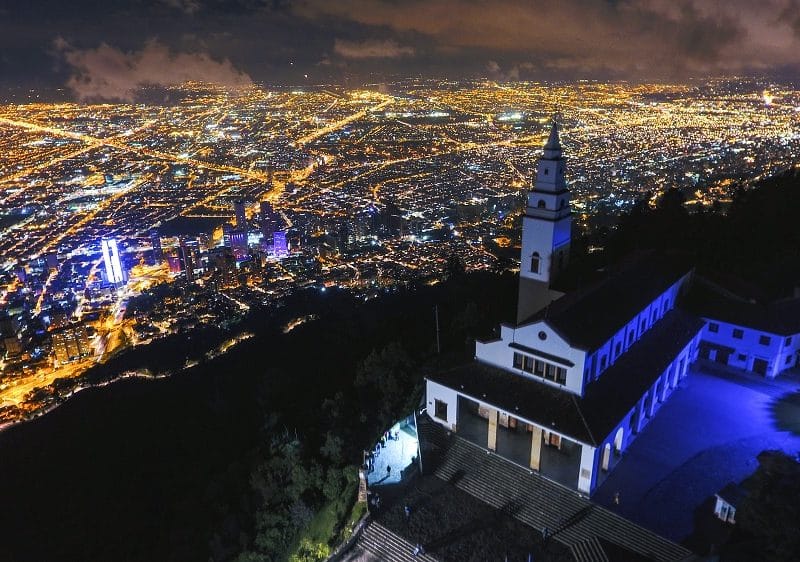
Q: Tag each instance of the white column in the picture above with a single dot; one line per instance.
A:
(491, 442)
(587, 468)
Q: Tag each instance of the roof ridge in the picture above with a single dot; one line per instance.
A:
(583, 419)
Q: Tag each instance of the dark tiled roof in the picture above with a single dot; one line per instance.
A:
(607, 400)
(711, 301)
(534, 401)
(591, 418)
(589, 317)
(733, 493)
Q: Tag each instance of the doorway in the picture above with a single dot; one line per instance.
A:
(760, 367)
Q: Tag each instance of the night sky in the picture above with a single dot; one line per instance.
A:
(104, 49)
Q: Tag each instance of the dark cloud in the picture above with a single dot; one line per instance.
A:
(278, 42)
(635, 37)
(371, 49)
(106, 73)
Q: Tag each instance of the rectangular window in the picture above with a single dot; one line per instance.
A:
(617, 349)
(764, 340)
(742, 357)
(713, 327)
(440, 409)
(561, 375)
(528, 365)
(738, 333)
(788, 359)
(603, 361)
(518, 361)
(539, 369)
(549, 372)
(788, 341)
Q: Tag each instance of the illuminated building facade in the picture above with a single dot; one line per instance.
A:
(267, 224)
(280, 247)
(70, 343)
(238, 241)
(115, 273)
(186, 259)
(155, 242)
(240, 213)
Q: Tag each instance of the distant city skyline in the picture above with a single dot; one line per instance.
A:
(107, 51)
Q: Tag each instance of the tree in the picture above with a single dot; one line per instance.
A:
(386, 377)
(455, 266)
(770, 513)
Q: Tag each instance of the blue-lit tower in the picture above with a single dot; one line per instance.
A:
(115, 273)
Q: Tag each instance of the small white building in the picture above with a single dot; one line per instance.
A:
(726, 501)
(745, 333)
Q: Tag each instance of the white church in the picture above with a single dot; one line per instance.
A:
(566, 389)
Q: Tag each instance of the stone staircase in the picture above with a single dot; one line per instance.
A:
(540, 503)
(387, 546)
(588, 551)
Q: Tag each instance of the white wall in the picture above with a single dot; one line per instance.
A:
(435, 391)
(499, 354)
(748, 349)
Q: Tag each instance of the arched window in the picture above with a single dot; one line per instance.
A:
(540, 204)
(535, 262)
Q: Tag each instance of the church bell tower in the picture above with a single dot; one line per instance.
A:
(545, 231)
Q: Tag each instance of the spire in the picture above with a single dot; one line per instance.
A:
(552, 150)
(553, 142)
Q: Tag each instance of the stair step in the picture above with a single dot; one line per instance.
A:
(544, 503)
(388, 546)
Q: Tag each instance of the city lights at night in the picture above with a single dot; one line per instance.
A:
(445, 280)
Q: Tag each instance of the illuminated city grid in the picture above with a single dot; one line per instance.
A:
(371, 189)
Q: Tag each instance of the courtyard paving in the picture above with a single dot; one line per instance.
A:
(396, 455)
(707, 434)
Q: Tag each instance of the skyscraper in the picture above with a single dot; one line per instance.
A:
(186, 259)
(280, 249)
(239, 211)
(239, 243)
(155, 242)
(115, 274)
(267, 223)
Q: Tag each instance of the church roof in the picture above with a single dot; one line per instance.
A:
(543, 404)
(591, 418)
(589, 317)
(608, 399)
(712, 301)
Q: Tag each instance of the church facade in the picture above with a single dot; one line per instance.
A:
(568, 387)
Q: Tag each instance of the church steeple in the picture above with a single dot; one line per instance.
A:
(545, 229)
(552, 149)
